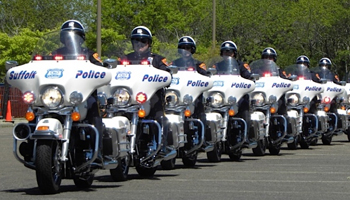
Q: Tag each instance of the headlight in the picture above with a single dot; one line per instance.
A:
(217, 99)
(75, 97)
(293, 99)
(52, 97)
(187, 99)
(259, 98)
(171, 98)
(121, 97)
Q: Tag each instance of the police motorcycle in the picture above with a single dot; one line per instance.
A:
(222, 100)
(303, 123)
(187, 130)
(127, 98)
(58, 142)
(331, 103)
(268, 127)
(347, 103)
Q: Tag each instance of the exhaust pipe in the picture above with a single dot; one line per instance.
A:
(21, 131)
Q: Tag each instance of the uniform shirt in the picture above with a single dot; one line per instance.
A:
(93, 56)
(200, 66)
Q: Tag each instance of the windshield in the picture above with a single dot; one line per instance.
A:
(301, 71)
(264, 67)
(323, 73)
(183, 60)
(60, 46)
(226, 65)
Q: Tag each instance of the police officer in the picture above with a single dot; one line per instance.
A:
(325, 65)
(186, 48)
(271, 54)
(72, 35)
(141, 39)
(229, 49)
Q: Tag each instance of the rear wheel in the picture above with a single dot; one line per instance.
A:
(303, 143)
(190, 160)
(84, 182)
(235, 156)
(274, 149)
(48, 166)
(326, 140)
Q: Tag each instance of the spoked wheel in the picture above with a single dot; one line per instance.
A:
(120, 173)
(84, 182)
(48, 166)
(275, 149)
(326, 140)
(146, 172)
(235, 156)
(168, 164)
(261, 148)
(303, 143)
(294, 144)
(190, 160)
(215, 155)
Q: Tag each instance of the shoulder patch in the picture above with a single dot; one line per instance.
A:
(203, 66)
(318, 76)
(95, 55)
(165, 62)
(247, 66)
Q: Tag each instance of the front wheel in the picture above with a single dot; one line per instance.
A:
(48, 166)
(215, 155)
(120, 173)
(146, 172)
(261, 148)
(326, 140)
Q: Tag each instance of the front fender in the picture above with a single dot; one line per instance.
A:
(48, 128)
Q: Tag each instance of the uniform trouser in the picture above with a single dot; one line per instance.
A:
(243, 111)
(93, 117)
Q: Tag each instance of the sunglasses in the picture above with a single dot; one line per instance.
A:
(143, 40)
(187, 47)
(268, 57)
(228, 51)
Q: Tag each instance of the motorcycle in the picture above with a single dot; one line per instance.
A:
(58, 142)
(331, 103)
(347, 105)
(303, 123)
(268, 127)
(187, 129)
(222, 102)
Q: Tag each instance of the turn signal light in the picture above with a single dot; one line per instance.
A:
(231, 113)
(343, 108)
(42, 128)
(326, 109)
(272, 110)
(75, 116)
(30, 116)
(187, 113)
(142, 113)
(306, 110)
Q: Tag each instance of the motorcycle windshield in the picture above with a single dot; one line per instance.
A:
(264, 67)
(301, 71)
(323, 73)
(184, 60)
(227, 66)
(61, 45)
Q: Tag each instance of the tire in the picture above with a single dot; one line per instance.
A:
(48, 167)
(235, 156)
(326, 140)
(120, 173)
(215, 155)
(168, 164)
(294, 144)
(261, 148)
(190, 160)
(303, 143)
(274, 149)
(146, 172)
(84, 182)
(314, 142)
(348, 134)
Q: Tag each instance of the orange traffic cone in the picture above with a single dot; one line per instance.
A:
(8, 112)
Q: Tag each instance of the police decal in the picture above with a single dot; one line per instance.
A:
(54, 73)
(123, 75)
